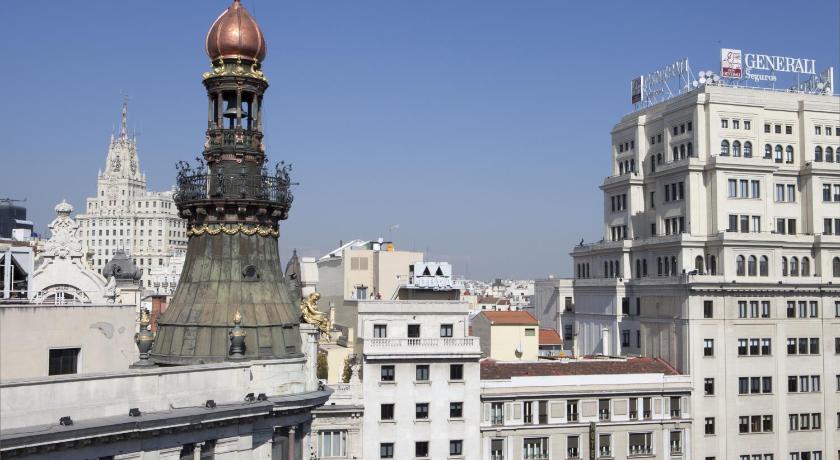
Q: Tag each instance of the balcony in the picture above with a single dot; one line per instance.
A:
(445, 346)
(640, 451)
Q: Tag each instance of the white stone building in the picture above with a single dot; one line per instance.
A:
(125, 215)
(721, 254)
(554, 307)
(604, 409)
(420, 380)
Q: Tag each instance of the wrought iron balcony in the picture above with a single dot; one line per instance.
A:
(197, 184)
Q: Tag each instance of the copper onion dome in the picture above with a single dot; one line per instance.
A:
(235, 35)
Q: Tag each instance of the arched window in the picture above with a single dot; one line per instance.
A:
(620, 168)
(829, 154)
(673, 266)
(789, 154)
(794, 266)
(752, 263)
(736, 149)
(836, 267)
(778, 153)
(748, 149)
(724, 147)
(698, 264)
(712, 265)
(638, 268)
(659, 266)
(784, 266)
(739, 266)
(644, 267)
(632, 166)
(682, 151)
(763, 268)
(806, 266)
(676, 154)
(768, 151)
(690, 149)
(818, 153)
(659, 158)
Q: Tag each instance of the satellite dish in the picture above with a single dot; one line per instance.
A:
(716, 78)
(694, 84)
(701, 74)
(820, 85)
(702, 80)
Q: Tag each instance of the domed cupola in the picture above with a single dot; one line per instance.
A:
(235, 35)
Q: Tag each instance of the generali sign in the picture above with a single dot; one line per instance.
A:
(735, 64)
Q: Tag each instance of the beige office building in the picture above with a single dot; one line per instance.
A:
(721, 254)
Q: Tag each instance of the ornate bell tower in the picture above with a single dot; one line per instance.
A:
(233, 205)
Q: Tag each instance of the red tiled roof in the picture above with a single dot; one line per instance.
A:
(488, 299)
(510, 318)
(504, 302)
(550, 337)
(495, 370)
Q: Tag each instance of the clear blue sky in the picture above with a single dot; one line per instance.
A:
(480, 127)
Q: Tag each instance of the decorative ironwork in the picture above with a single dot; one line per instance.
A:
(196, 185)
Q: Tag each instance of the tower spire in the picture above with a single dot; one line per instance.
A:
(124, 122)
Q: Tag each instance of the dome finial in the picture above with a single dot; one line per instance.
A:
(235, 35)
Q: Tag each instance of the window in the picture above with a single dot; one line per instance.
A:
(332, 443)
(421, 411)
(708, 386)
(535, 448)
(625, 337)
(768, 151)
(386, 412)
(788, 129)
(572, 411)
(572, 447)
(603, 409)
(777, 129)
(386, 373)
(497, 412)
(778, 153)
(456, 372)
(767, 127)
(446, 330)
(747, 125)
(724, 123)
(421, 449)
(708, 308)
(754, 347)
(456, 410)
(456, 447)
(380, 331)
(724, 147)
(736, 149)
(789, 154)
(413, 331)
(497, 449)
(710, 425)
(604, 445)
(818, 154)
(64, 361)
(421, 373)
(640, 443)
(708, 347)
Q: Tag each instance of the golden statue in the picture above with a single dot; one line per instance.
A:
(309, 313)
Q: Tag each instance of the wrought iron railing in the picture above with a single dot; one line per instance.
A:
(258, 187)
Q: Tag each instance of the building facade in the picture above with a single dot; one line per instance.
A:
(721, 255)
(420, 380)
(597, 409)
(125, 215)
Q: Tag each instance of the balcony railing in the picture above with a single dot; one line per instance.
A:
(572, 417)
(432, 345)
(572, 452)
(603, 415)
(641, 450)
(675, 413)
(634, 415)
(676, 448)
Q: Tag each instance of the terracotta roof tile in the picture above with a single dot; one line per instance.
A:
(495, 370)
(550, 337)
(510, 318)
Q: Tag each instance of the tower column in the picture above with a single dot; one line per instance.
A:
(238, 108)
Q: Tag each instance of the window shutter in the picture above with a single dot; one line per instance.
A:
(486, 415)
